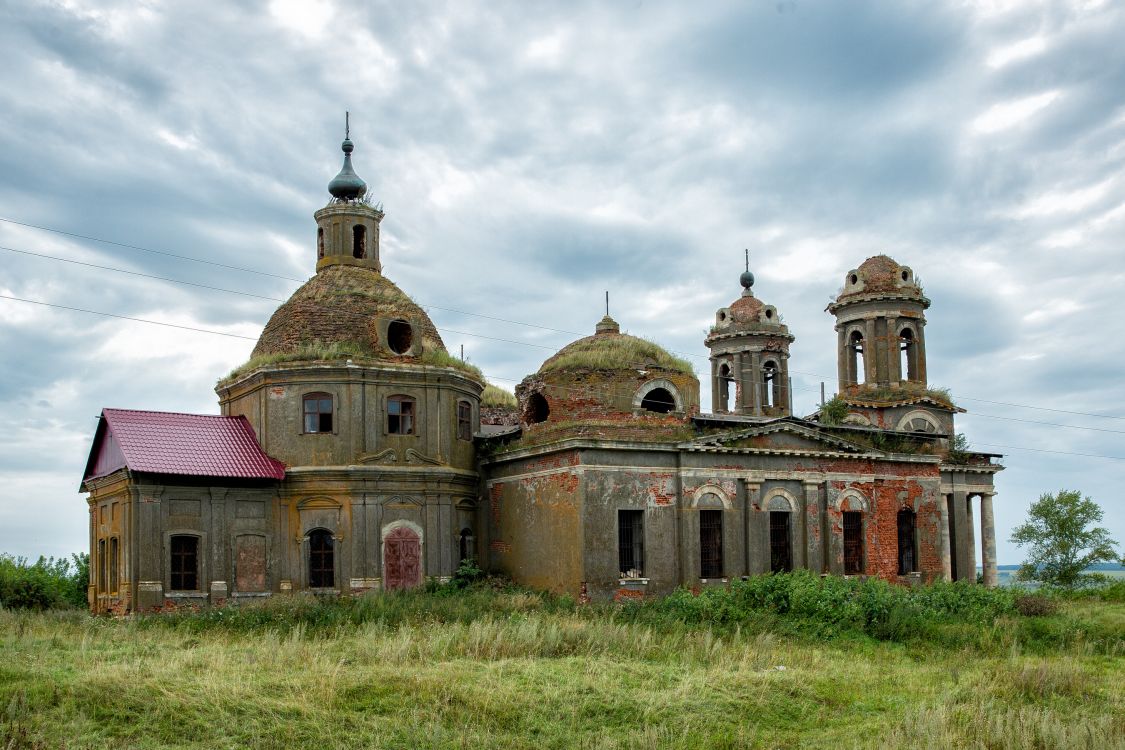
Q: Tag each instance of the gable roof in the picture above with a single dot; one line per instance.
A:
(160, 442)
(782, 424)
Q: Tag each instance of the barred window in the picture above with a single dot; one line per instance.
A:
(400, 415)
(631, 543)
(853, 542)
(185, 563)
(906, 556)
(322, 568)
(711, 544)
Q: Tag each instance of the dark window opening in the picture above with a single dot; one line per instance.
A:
(658, 400)
(727, 388)
(464, 420)
(322, 570)
(185, 563)
(856, 361)
(114, 561)
(952, 537)
(537, 409)
(905, 275)
(359, 241)
(631, 543)
(853, 279)
(906, 556)
(781, 558)
(400, 336)
(769, 385)
(710, 544)
(853, 543)
(400, 415)
(908, 355)
(465, 545)
(319, 242)
(318, 412)
(101, 566)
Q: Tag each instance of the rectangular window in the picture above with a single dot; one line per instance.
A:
(318, 413)
(101, 567)
(113, 565)
(710, 544)
(781, 559)
(400, 415)
(631, 543)
(853, 542)
(464, 420)
(185, 563)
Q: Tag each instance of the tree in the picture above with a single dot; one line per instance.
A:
(1063, 540)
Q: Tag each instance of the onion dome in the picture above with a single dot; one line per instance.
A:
(349, 311)
(880, 277)
(347, 185)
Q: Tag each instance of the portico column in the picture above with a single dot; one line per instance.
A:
(717, 404)
(946, 552)
(971, 538)
(870, 354)
(988, 539)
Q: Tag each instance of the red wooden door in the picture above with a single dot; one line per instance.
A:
(402, 560)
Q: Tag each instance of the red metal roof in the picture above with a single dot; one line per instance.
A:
(187, 444)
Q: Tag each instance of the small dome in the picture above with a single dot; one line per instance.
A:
(746, 309)
(609, 349)
(880, 274)
(352, 309)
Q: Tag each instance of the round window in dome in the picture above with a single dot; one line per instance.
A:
(658, 400)
(537, 409)
(400, 336)
(853, 279)
(906, 275)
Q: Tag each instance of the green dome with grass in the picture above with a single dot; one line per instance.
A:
(609, 349)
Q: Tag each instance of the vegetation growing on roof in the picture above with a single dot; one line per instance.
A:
(495, 397)
(638, 429)
(316, 351)
(897, 393)
(442, 358)
(615, 352)
(834, 411)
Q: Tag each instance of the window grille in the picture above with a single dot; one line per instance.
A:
(711, 543)
(322, 569)
(631, 543)
(185, 563)
(906, 559)
(853, 542)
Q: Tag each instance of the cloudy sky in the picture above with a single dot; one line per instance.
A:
(531, 156)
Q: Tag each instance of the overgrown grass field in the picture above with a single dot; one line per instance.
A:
(781, 661)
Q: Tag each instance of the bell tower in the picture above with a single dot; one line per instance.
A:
(347, 229)
(880, 327)
(750, 357)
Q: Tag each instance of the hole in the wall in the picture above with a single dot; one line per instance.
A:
(400, 336)
(906, 276)
(769, 313)
(537, 409)
(359, 241)
(722, 316)
(319, 242)
(658, 400)
(853, 279)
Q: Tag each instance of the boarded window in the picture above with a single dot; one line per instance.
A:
(185, 563)
(906, 557)
(711, 544)
(631, 543)
(322, 563)
(853, 542)
(250, 563)
(400, 415)
(464, 420)
(781, 557)
(318, 412)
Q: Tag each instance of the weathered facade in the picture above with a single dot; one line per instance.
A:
(352, 454)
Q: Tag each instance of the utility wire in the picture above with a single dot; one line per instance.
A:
(445, 309)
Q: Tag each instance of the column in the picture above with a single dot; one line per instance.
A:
(988, 539)
(754, 382)
(842, 359)
(946, 560)
(717, 404)
(970, 539)
(741, 398)
(921, 350)
(814, 544)
(870, 354)
(894, 356)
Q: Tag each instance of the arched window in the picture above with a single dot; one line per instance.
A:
(322, 559)
(908, 355)
(184, 567)
(318, 412)
(400, 415)
(537, 409)
(464, 420)
(727, 386)
(710, 544)
(359, 241)
(906, 555)
(319, 242)
(853, 542)
(658, 400)
(856, 364)
(769, 384)
(465, 545)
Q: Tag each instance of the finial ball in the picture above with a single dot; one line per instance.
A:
(746, 279)
(347, 146)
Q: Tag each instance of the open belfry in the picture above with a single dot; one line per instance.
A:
(353, 453)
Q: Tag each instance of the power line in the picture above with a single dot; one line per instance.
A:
(1044, 450)
(1046, 424)
(445, 309)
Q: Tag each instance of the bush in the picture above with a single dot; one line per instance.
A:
(45, 584)
(1036, 605)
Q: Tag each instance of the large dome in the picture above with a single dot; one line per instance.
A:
(352, 308)
(609, 349)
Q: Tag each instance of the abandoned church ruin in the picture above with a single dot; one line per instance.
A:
(353, 453)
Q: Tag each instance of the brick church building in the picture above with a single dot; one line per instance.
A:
(353, 453)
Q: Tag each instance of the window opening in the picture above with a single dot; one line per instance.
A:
(853, 542)
(101, 563)
(359, 241)
(710, 544)
(631, 543)
(781, 558)
(908, 355)
(769, 385)
(727, 388)
(906, 558)
(537, 409)
(185, 563)
(856, 362)
(658, 400)
(400, 415)
(318, 412)
(465, 545)
(400, 336)
(319, 242)
(952, 537)
(322, 569)
(113, 565)
(464, 420)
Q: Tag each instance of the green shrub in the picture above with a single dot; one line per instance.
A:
(47, 583)
(1036, 605)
